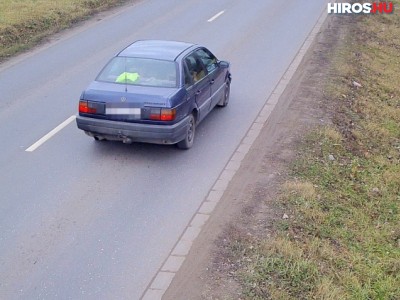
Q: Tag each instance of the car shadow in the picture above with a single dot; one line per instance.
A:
(151, 151)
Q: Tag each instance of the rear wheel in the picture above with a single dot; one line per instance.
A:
(187, 142)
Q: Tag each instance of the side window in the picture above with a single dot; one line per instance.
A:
(187, 77)
(195, 68)
(208, 59)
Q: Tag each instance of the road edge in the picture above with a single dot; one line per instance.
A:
(165, 275)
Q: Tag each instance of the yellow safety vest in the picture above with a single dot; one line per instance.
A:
(127, 77)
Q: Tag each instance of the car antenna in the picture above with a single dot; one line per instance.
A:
(126, 83)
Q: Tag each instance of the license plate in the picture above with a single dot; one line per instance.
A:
(123, 111)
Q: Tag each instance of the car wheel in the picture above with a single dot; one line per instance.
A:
(224, 101)
(187, 142)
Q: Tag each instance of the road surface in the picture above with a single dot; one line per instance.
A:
(86, 220)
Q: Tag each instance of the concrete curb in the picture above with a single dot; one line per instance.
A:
(171, 266)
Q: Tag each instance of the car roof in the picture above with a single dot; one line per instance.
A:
(159, 49)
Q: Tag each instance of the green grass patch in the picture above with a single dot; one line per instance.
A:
(342, 240)
(24, 23)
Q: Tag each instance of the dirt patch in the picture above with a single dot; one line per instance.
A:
(249, 208)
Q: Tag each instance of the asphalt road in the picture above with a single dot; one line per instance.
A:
(86, 220)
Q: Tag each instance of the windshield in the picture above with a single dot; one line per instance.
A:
(139, 71)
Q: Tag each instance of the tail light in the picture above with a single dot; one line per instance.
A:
(91, 107)
(162, 114)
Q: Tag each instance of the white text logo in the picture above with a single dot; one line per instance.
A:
(358, 8)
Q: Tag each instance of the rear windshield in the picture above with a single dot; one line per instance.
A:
(140, 71)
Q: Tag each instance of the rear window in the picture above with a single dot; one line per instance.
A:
(140, 71)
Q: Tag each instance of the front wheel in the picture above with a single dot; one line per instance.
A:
(225, 99)
(187, 142)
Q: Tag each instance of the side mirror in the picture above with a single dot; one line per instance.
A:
(223, 64)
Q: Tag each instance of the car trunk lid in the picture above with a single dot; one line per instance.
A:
(127, 102)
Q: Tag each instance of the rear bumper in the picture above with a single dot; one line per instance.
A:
(133, 132)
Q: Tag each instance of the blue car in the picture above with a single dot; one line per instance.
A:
(154, 91)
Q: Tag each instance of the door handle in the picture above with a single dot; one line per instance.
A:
(198, 92)
(212, 81)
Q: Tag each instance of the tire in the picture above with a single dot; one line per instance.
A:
(225, 100)
(187, 142)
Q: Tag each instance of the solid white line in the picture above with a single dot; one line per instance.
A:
(216, 16)
(50, 134)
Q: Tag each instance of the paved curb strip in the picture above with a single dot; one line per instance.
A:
(171, 266)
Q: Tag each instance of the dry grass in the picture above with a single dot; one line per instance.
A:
(24, 23)
(341, 239)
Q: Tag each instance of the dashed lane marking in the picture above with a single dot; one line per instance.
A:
(50, 134)
(216, 16)
(161, 281)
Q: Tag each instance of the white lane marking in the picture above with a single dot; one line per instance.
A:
(216, 16)
(50, 134)
(165, 275)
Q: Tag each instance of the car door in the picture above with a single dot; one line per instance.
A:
(200, 88)
(215, 75)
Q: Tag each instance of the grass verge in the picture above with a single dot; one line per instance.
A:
(25, 23)
(341, 239)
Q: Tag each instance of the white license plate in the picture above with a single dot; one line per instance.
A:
(122, 111)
